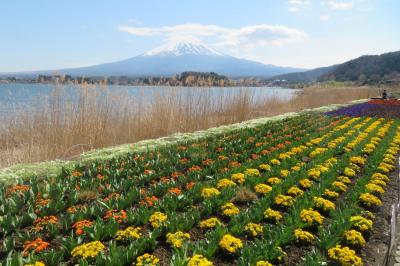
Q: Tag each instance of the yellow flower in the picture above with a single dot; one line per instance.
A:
(349, 172)
(330, 162)
(177, 239)
(379, 176)
(314, 173)
(209, 192)
(210, 223)
(324, 204)
(317, 151)
(253, 229)
(295, 168)
(199, 260)
(147, 260)
(283, 156)
(339, 186)
(230, 243)
(129, 233)
(360, 223)
(357, 160)
(330, 194)
(374, 188)
(37, 263)
(305, 183)
(378, 182)
(275, 162)
(274, 180)
(238, 178)
(345, 256)
(311, 217)
(263, 263)
(252, 172)
(303, 236)
(283, 200)
(344, 179)
(295, 191)
(87, 250)
(370, 200)
(285, 173)
(262, 188)
(265, 167)
(229, 209)
(158, 219)
(354, 237)
(225, 182)
(322, 168)
(273, 215)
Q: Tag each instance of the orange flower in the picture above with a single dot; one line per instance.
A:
(182, 148)
(176, 175)
(254, 156)
(36, 245)
(190, 185)
(40, 202)
(264, 152)
(40, 223)
(76, 173)
(100, 176)
(74, 209)
(17, 188)
(194, 168)
(225, 169)
(118, 216)
(280, 146)
(143, 191)
(112, 196)
(175, 191)
(219, 149)
(222, 157)
(149, 201)
(165, 180)
(81, 225)
(234, 164)
(258, 144)
(148, 172)
(208, 162)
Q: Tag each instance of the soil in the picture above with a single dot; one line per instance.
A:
(375, 251)
(295, 254)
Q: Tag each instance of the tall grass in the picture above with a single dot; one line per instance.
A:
(61, 127)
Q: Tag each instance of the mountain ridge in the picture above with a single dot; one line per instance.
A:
(173, 58)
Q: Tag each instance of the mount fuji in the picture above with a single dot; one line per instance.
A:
(175, 57)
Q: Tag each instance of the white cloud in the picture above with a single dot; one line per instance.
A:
(324, 17)
(298, 5)
(294, 9)
(340, 5)
(299, 2)
(243, 37)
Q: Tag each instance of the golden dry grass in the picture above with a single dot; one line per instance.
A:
(63, 129)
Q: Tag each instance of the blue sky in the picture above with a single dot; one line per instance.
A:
(48, 34)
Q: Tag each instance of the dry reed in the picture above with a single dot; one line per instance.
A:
(61, 127)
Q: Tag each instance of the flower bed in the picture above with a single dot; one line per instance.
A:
(247, 197)
(375, 108)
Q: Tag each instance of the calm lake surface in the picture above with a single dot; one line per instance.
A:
(20, 97)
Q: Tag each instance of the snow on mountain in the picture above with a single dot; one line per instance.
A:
(176, 56)
(179, 47)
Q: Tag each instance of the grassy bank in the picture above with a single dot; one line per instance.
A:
(62, 129)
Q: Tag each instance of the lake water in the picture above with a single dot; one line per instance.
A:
(15, 96)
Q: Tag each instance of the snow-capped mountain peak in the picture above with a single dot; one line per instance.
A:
(183, 46)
